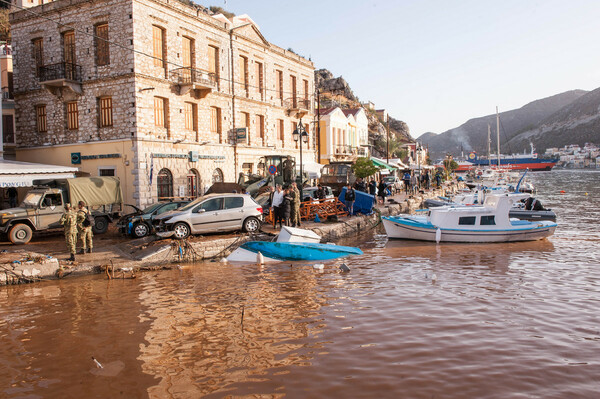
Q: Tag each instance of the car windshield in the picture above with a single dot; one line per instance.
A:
(191, 204)
(32, 199)
(152, 208)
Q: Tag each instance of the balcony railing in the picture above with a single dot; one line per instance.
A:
(297, 103)
(60, 71)
(195, 77)
(342, 149)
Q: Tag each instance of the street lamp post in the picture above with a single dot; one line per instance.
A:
(419, 150)
(300, 134)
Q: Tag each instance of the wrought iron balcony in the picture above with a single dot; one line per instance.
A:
(194, 79)
(56, 77)
(297, 105)
(60, 71)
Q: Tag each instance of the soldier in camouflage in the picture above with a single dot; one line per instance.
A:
(69, 221)
(85, 232)
(295, 205)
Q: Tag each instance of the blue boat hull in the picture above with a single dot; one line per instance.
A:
(300, 250)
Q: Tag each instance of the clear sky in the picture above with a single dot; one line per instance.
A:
(436, 64)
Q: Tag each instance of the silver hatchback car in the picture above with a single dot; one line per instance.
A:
(212, 213)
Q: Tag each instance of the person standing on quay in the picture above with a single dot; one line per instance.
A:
(349, 198)
(295, 194)
(276, 204)
(85, 228)
(372, 187)
(69, 221)
(382, 191)
(286, 207)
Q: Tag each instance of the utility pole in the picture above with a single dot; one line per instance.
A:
(318, 141)
(388, 140)
(498, 135)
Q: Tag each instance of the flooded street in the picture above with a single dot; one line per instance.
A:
(411, 319)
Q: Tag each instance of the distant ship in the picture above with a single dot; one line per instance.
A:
(513, 162)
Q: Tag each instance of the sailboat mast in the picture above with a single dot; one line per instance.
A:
(489, 142)
(498, 134)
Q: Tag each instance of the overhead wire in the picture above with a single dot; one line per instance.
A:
(221, 79)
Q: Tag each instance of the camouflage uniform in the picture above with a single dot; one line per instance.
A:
(85, 233)
(296, 207)
(69, 220)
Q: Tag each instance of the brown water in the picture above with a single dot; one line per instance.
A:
(411, 320)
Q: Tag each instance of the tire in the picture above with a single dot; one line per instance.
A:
(251, 224)
(181, 230)
(140, 230)
(20, 234)
(100, 225)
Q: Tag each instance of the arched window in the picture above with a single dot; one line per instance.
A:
(193, 183)
(164, 182)
(217, 176)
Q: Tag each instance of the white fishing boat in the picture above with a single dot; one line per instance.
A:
(489, 222)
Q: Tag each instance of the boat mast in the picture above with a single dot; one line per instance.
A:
(498, 134)
(489, 142)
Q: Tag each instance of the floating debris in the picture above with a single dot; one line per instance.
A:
(97, 363)
(319, 266)
(344, 268)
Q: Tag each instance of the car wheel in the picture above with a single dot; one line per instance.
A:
(20, 234)
(181, 230)
(100, 225)
(140, 230)
(251, 224)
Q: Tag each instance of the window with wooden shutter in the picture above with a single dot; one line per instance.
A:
(101, 42)
(213, 63)
(305, 89)
(159, 112)
(42, 124)
(280, 129)
(260, 126)
(190, 116)
(293, 90)
(260, 79)
(72, 116)
(215, 120)
(69, 47)
(280, 85)
(158, 46)
(105, 115)
(243, 71)
(8, 129)
(38, 54)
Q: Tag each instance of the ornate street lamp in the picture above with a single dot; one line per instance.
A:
(300, 134)
(419, 151)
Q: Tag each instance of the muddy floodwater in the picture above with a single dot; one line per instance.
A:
(410, 320)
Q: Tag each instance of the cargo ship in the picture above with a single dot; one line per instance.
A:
(513, 162)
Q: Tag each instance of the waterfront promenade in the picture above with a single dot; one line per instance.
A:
(45, 256)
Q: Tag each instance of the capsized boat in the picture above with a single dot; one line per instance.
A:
(292, 251)
(292, 244)
(489, 222)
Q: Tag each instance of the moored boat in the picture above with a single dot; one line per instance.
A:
(489, 222)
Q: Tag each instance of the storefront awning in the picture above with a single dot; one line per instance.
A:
(382, 164)
(22, 174)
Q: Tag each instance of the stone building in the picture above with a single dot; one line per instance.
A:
(162, 94)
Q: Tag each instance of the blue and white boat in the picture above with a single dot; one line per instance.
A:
(292, 244)
(489, 222)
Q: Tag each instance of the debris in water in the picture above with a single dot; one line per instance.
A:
(97, 363)
(319, 266)
(344, 268)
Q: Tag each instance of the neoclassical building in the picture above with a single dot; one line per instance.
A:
(344, 134)
(162, 94)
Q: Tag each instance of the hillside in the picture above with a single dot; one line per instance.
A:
(335, 91)
(517, 127)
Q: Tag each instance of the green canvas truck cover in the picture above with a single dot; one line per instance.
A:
(95, 191)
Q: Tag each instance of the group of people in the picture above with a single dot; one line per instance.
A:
(77, 224)
(411, 181)
(285, 205)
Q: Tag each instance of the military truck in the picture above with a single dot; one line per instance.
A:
(43, 206)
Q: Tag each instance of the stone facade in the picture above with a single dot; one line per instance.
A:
(135, 81)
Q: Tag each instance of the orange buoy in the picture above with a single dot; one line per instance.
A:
(562, 191)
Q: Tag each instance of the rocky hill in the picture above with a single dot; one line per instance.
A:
(335, 91)
(565, 118)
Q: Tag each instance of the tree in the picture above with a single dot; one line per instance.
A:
(364, 167)
(4, 25)
(450, 165)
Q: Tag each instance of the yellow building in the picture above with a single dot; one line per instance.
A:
(344, 135)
